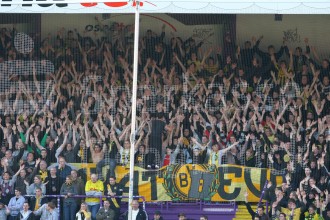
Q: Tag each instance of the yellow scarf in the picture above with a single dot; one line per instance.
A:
(43, 175)
(113, 199)
(37, 206)
(214, 158)
(81, 153)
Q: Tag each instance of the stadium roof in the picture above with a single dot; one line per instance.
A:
(168, 6)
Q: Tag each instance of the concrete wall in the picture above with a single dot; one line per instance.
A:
(314, 27)
(51, 23)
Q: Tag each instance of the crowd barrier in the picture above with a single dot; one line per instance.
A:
(58, 198)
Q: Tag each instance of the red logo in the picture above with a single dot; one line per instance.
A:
(118, 4)
(44, 3)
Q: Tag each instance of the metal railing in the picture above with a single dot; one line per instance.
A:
(58, 198)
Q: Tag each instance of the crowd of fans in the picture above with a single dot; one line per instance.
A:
(197, 104)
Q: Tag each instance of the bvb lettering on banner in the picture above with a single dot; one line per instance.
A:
(200, 182)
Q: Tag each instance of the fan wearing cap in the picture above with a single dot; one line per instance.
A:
(198, 155)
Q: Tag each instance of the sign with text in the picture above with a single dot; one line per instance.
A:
(200, 182)
(178, 6)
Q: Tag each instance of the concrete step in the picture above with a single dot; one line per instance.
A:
(242, 213)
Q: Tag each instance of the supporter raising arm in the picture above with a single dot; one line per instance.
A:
(61, 148)
(6, 183)
(214, 154)
(261, 210)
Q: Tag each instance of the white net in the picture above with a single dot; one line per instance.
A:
(201, 81)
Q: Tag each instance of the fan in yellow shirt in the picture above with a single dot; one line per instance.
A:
(292, 211)
(94, 188)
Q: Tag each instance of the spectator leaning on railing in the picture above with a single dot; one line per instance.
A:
(94, 187)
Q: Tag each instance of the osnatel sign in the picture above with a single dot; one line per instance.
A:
(64, 6)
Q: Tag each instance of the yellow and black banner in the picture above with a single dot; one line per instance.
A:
(189, 182)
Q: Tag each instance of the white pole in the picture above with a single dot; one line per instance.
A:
(135, 73)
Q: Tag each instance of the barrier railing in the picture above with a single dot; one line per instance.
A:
(58, 198)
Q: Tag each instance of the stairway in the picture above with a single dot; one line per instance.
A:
(242, 213)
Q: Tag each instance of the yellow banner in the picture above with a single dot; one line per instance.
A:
(189, 182)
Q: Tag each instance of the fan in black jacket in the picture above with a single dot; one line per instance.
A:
(137, 212)
(36, 202)
(111, 188)
(260, 213)
(25, 214)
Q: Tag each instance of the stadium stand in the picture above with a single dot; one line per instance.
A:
(67, 100)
